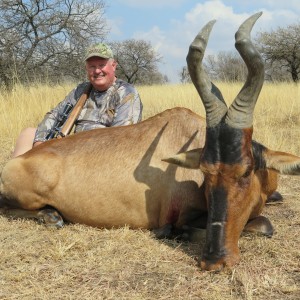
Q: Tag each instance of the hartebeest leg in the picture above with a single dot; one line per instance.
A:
(48, 216)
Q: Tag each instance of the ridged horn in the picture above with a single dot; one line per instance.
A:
(210, 95)
(240, 113)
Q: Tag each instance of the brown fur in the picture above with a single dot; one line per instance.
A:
(113, 176)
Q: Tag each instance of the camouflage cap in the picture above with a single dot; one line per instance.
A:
(99, 50)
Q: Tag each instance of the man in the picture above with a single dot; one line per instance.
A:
(111, 102)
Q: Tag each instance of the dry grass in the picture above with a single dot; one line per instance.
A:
(80, 262)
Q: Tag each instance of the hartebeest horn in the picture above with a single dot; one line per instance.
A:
(240, 113)
(212, 99)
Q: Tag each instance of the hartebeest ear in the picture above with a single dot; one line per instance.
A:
(189, 159)
(282, 162)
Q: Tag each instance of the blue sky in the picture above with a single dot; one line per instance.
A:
(171, 25)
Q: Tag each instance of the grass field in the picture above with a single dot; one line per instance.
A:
(80, 262)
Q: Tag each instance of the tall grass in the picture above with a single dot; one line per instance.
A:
(25, 107)
(276, 118)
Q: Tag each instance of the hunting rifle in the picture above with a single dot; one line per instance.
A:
(65, 122)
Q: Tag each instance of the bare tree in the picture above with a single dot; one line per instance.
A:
(47, 37)
(281, 50)
(226, 66)
(184, 75)
(137, 62)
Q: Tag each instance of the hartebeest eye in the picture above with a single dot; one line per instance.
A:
(247, 172)
(244, 177)
(242, 173)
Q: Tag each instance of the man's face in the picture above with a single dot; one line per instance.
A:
(101, 72)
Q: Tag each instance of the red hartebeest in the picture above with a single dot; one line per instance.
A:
(116, 176)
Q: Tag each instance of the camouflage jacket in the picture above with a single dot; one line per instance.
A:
(119, 105)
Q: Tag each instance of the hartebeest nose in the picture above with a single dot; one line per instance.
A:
(219, 264)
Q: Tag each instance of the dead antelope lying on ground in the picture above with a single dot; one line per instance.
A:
(115, 176)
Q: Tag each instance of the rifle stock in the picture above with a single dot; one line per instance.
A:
(67, 127)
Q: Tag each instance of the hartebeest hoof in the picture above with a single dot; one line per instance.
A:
(164, 232)
(275, 198)
(260, 225)
(50, 218)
